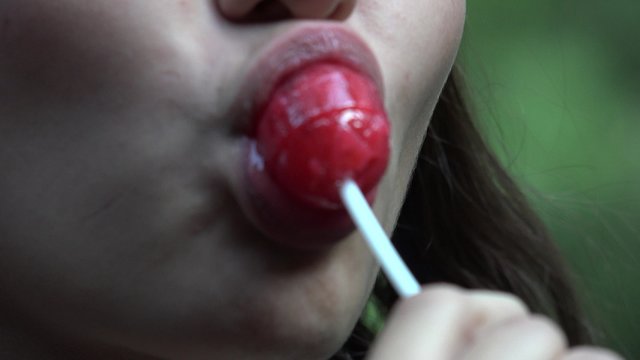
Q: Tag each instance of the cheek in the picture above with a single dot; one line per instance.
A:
(72, 52)
(416, 43)
(87, 97)
(424, 52)
(85, 79)
(427, 49)
(56, 51)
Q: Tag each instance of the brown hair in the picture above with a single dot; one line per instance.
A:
(465, 221)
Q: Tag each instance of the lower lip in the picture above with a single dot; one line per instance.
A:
(285, 220)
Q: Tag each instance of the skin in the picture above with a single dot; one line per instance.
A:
(119, 234)
(446, 322)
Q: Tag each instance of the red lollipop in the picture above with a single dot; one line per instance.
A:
(322, 125)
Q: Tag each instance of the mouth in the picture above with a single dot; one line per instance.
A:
(265, 200)
(291, 53)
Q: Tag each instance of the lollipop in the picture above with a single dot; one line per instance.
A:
(322, 126)
(324, 139)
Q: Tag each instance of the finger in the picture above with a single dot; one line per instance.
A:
(440, 321)
(529, 338)
(491, 308)
(591, 353)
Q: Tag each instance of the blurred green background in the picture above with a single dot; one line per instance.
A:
(556, 85)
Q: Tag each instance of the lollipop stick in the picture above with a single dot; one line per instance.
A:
(396, 270)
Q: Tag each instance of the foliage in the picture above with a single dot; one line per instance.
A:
(557, 88)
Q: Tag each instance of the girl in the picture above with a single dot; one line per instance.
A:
(128, 229)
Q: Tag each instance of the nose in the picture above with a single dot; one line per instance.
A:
(274, 10)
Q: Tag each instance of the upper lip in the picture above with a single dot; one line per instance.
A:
(293, 51)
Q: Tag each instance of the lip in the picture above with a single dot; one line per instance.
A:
(293, 51)
(275, 214)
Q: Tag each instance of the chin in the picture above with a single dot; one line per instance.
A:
(276, 339)
(284, 323)
(312, 330)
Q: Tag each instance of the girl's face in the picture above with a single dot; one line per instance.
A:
(119, 223)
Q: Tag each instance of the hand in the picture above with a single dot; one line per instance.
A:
(444, 322)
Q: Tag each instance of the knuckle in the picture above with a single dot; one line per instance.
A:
(545, 328)
(442, 296)
(445, 294)
(514, 302)
(494, 308)
(591, 353)
(503, 300)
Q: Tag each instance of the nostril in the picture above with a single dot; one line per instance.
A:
(262, 11)
(267, 11)
(343, 10)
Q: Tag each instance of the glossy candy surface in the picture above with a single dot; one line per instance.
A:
(322, 125)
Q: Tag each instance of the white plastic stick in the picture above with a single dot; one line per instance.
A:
(396, 270)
